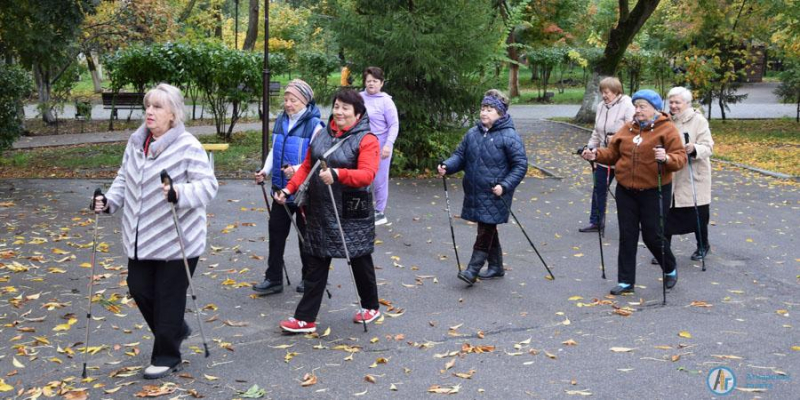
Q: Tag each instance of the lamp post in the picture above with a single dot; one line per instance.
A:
(265, 89)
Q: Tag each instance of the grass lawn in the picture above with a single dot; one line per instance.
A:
(769, 144)
(773, 145)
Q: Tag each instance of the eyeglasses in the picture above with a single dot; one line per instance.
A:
(644, 106)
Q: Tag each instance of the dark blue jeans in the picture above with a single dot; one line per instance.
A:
(603, 178)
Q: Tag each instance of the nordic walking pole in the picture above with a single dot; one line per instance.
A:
(526, 237)
(661, 228)
(172, 198)
(450, 219)
(276, 189)
(696, 210)
(324, 165)
(266, 200)
(597, 203)
(97, 192)
(269, 211)
(600, 229)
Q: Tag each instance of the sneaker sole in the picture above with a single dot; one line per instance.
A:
(383, 221)
(166, 373)
(301, 330)
(369, 320)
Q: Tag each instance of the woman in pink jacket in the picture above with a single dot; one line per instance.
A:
(383, 122)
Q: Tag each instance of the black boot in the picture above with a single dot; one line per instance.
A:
(495, 264)
(470, 274)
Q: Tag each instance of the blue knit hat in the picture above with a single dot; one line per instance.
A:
(649, 96)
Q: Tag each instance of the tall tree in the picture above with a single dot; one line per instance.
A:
(252, 25)
(620, 37)
(429, 51)
(50, 47)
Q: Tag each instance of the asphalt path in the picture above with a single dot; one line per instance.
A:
(522, 336)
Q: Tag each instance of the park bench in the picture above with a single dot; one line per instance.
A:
(274, 88)
(211, 148)
(121, 100)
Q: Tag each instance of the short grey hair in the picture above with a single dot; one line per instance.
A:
(173, 97)
(685, 93)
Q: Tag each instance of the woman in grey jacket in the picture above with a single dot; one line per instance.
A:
(156, 275)
(615, 110)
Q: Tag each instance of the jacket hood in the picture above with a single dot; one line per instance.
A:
(311, 111)
(685, 116)
(158, 146)
(505, 122)
(376, 95)
(360, 126)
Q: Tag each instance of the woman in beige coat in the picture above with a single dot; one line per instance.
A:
(615, 110)
(682, 217)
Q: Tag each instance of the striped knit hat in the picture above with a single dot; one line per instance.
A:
(300, 89)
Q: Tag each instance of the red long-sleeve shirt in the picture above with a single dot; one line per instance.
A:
(363, 175)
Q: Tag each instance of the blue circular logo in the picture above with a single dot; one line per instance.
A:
(721, 380)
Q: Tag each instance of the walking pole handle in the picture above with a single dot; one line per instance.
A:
(323, 164)
(659, 146)
(686, 136)
(172, 197)
(262, 182)
(97, 192)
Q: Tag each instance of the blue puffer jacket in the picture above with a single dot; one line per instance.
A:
(496, 156)
(291, 147)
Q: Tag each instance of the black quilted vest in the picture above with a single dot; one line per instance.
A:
(354, 205)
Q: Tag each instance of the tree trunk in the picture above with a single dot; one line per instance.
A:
(218, 17)
(97, 80)
(619, 39)
(513, 68)
(42, 78)
(252, 26)
(187, 11)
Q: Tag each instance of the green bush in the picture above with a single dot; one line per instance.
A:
(15, 86)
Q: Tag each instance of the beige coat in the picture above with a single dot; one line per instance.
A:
(696, 125)
(609, 119)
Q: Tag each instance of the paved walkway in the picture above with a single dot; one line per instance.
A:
(540, 339)
(760, 104)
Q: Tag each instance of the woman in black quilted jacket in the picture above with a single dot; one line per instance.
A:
(494, 162)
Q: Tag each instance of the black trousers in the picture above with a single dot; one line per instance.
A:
(280, 225)
(317, 277)
(159, 289)
(639, 209)
(683, 220)
(487, 237)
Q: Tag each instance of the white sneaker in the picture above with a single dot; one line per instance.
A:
(380, 218)
(157, 372)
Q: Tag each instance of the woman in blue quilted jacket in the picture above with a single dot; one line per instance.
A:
(494, 162)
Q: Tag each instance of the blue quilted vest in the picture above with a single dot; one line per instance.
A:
(291, 147)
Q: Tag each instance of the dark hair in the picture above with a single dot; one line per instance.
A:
(351, 97)
(376, 73)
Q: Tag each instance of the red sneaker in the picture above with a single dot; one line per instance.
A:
(366, 315)
(297, 326)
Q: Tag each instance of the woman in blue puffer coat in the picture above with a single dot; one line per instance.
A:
(494, 162)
